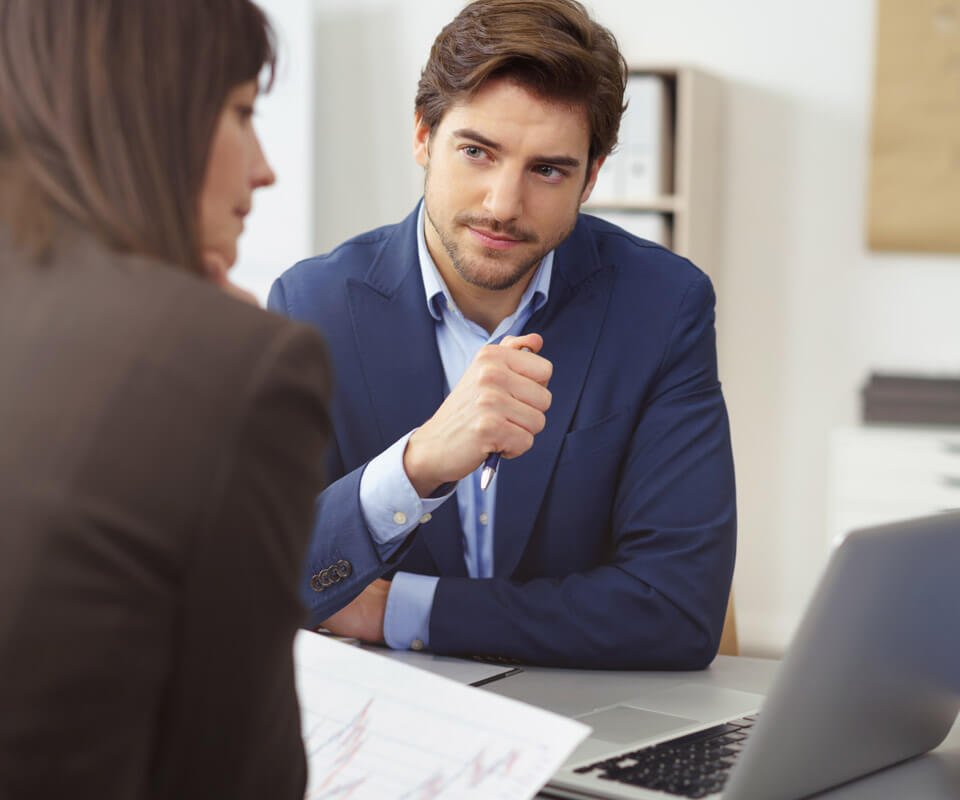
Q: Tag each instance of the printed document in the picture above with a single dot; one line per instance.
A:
(376, 729)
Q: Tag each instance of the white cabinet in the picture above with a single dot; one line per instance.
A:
(880, 474)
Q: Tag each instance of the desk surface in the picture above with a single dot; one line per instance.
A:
(935, 776)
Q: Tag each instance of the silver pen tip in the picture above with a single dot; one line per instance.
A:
(485, 477)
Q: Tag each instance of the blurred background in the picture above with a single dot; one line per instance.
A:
(806, 311)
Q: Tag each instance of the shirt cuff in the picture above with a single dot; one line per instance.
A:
(406, 621)
(390, 505)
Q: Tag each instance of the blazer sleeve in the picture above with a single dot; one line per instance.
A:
(342, 557)
(658, 602)
(235, 677)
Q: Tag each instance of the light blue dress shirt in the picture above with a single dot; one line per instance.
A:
(390, 504)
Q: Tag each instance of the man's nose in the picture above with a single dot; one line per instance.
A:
(504, 199)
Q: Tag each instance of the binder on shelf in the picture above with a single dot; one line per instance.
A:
(641, 167)
(647, 138)
(608, 190)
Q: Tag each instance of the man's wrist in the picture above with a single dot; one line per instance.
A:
(406, 621)
(383, 598)
(389, 503)
(415, 465)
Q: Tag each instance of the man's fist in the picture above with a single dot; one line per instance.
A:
(498, 406)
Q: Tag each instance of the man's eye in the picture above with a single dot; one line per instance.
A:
(547, 171)
(472, 151)
(245, 112)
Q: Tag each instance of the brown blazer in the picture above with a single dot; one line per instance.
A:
(160, 451)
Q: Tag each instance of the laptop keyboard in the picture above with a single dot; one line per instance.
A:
(695, 765)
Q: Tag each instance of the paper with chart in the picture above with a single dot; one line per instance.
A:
(377, 729)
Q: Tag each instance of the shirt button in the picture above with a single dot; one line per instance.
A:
(426, 518)
(484, 518)
(416, 644)
(400, 518)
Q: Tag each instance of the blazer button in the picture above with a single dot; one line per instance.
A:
(316, 584)
(344, 569)
(325, 579)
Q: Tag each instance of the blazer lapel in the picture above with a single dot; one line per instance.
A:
(570, 323)
(397, 345)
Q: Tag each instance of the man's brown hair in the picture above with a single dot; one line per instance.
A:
(550, 47)
(108, 110)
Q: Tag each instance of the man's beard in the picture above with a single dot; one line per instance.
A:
(471, 271)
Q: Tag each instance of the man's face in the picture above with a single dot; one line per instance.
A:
(506, 173)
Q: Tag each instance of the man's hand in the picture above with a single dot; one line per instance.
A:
(497, 407)
(215, 268)
(363, 618)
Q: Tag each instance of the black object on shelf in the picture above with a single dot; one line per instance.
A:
(912, 399)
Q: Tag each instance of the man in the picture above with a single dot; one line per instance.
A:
(607, 537)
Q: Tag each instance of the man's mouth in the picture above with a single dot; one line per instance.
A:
(495, 241)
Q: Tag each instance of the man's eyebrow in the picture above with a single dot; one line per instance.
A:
(558, 161)
(554, 161)
(467, 133)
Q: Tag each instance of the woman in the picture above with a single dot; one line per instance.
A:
(160, 441)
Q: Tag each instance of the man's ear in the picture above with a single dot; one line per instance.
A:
(591, 178)
(421, 140)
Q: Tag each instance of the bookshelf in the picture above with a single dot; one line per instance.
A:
(679, 136)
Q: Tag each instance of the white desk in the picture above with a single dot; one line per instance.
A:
(935, 776)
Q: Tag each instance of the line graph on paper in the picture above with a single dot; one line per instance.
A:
(373, 728)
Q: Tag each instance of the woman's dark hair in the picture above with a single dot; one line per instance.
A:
(551, 47)
(108, 109)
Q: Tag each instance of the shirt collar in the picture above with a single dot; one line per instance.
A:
(535, 295)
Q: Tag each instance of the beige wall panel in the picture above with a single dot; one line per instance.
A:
(915, 169)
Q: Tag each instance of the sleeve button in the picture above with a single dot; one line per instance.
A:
(416, 644)
(344, 568)
(426, 518)
(400, 518)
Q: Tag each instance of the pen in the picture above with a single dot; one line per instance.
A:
(489, 468)
(491, 462)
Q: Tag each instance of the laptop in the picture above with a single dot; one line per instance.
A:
(872, 677)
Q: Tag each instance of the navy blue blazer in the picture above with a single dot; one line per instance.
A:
(616, 531)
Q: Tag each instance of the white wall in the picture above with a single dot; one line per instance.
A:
(805, 310)
(280, 230)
